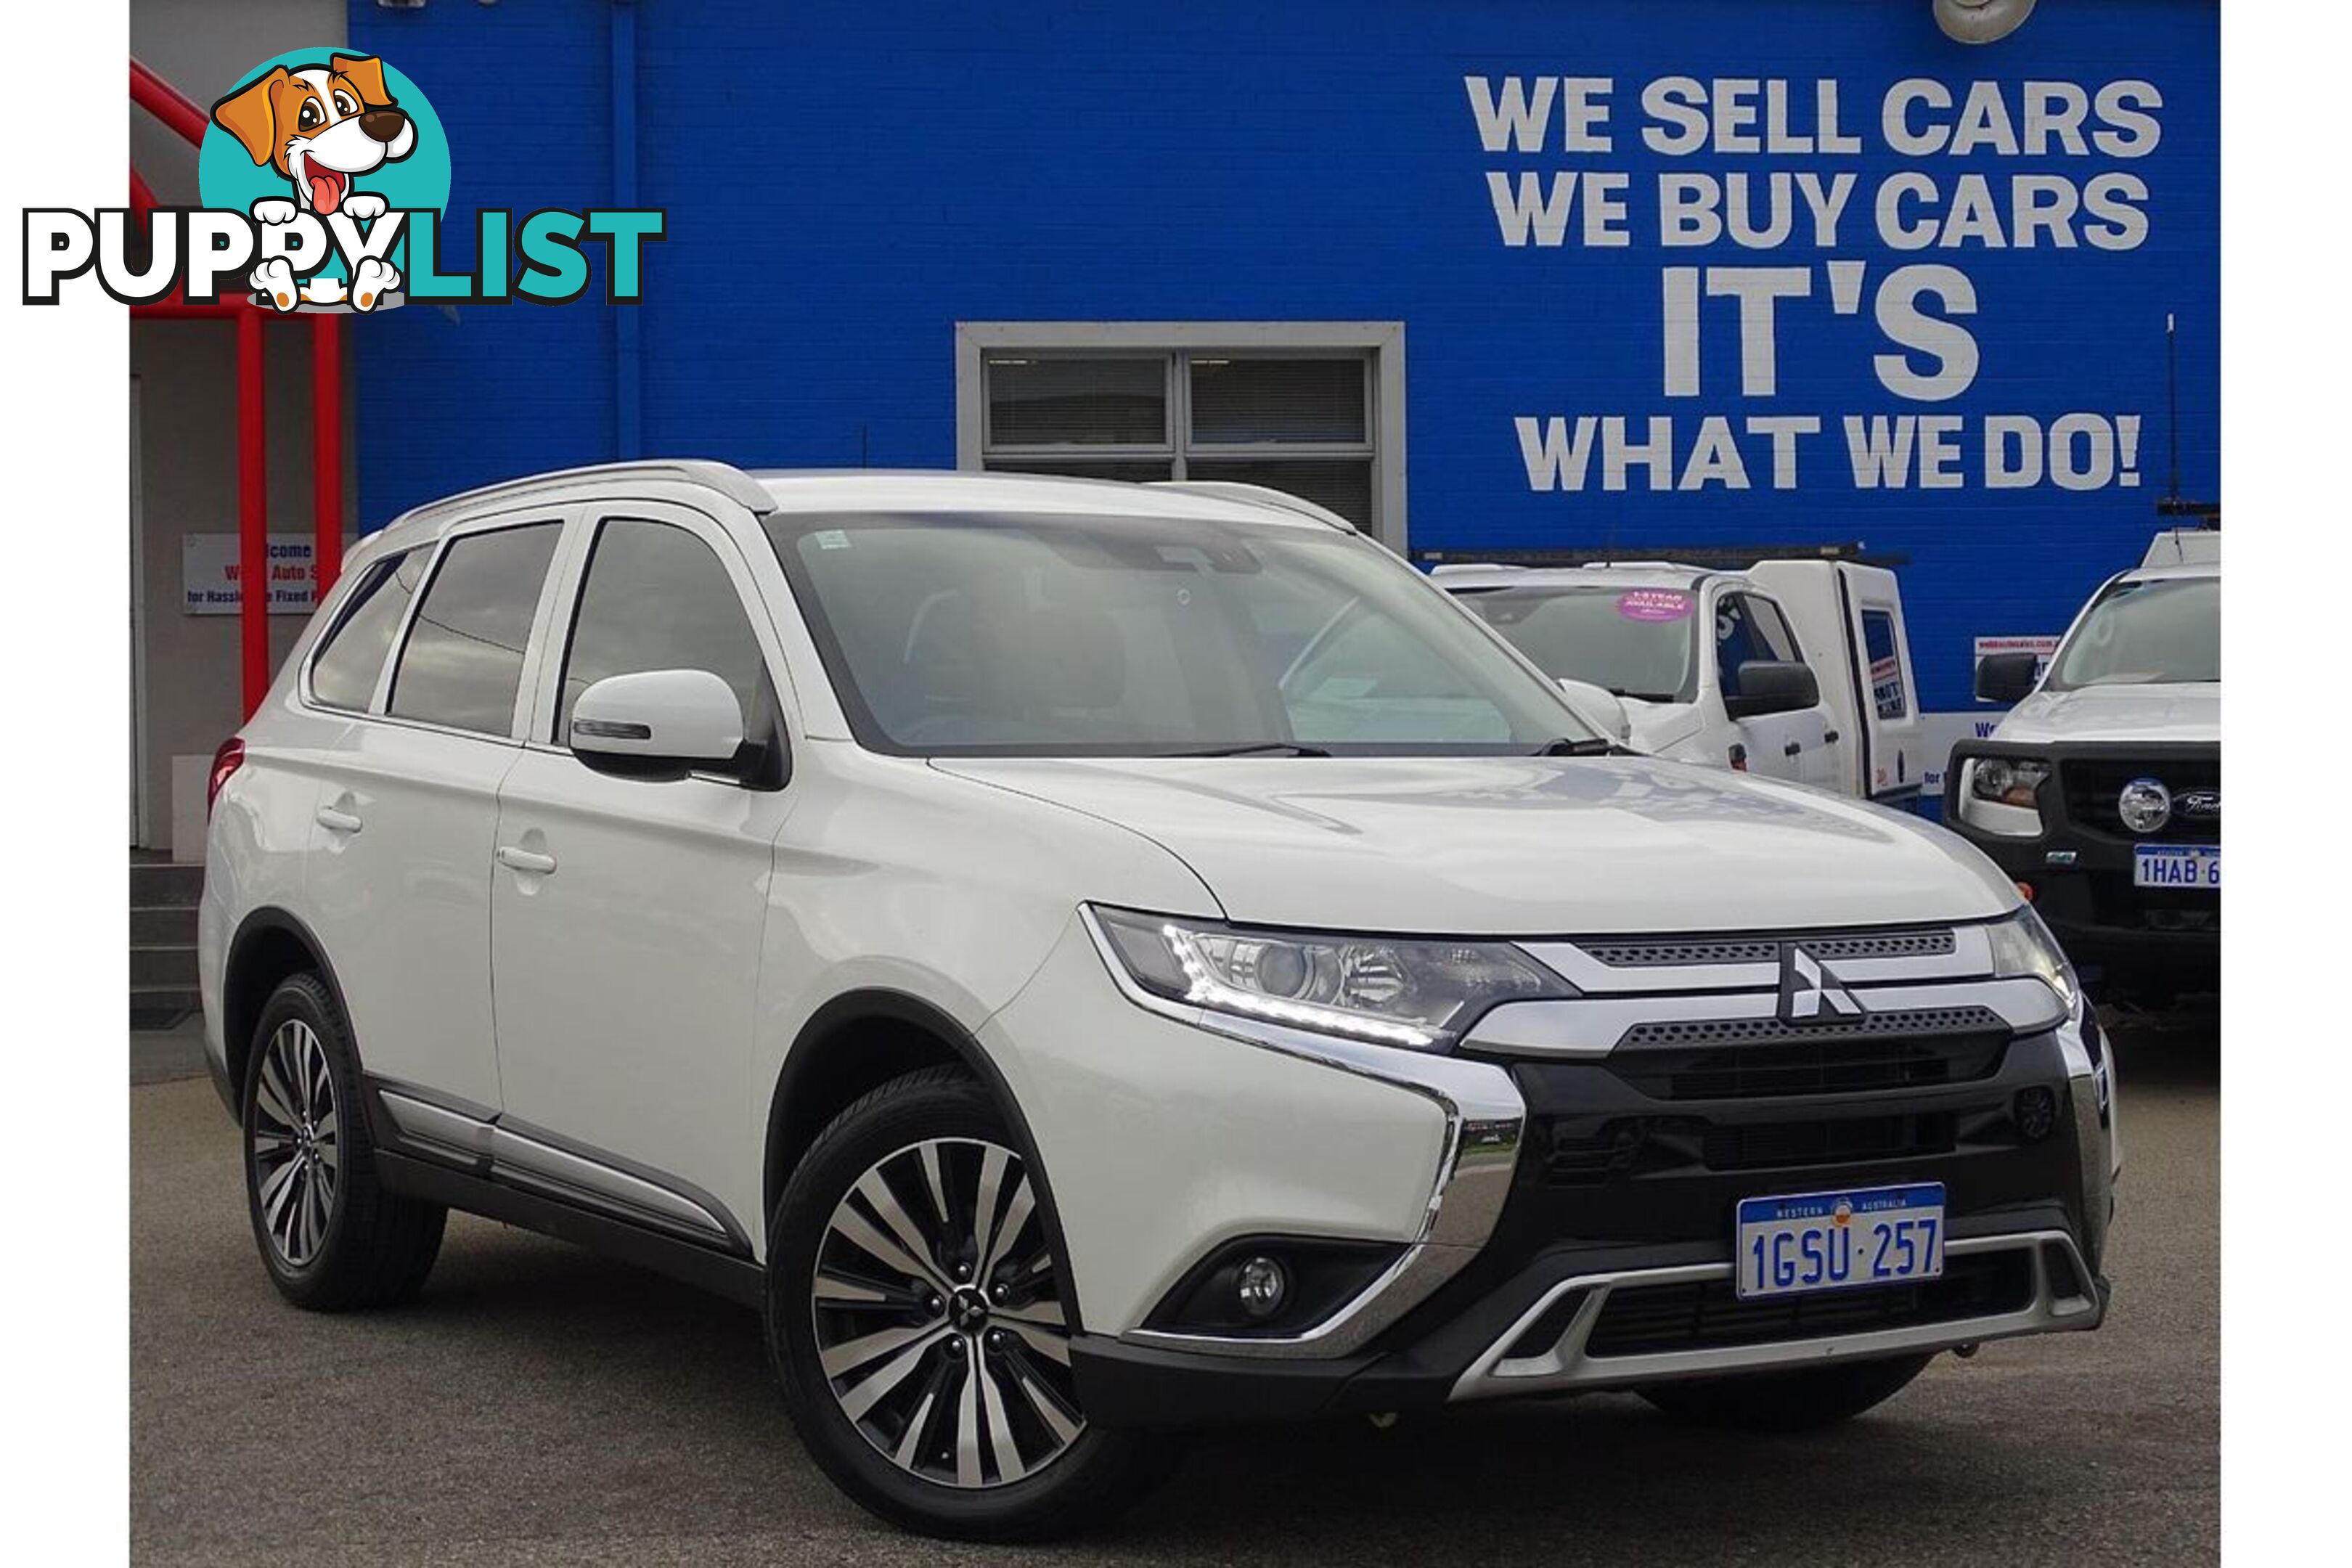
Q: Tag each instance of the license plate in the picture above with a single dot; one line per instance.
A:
(1836, 1241)
(2177, 865)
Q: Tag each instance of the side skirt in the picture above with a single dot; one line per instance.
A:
(736, 1278)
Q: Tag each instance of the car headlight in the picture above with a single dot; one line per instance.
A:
(2006, 781)
(2022, 945)
(1387, 989)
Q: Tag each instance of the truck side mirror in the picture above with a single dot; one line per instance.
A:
(1773, 686)
(2007, 677)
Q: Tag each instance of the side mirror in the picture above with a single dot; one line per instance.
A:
(657, 722)
(2007, 677)
(1769, 686)
(1599, 707)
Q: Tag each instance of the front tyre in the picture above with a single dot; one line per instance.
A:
(917, 1315)
(330, 1236)
(1803, 1401)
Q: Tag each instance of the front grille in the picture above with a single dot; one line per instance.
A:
(1579, 1152)
(1670, 952)
(1648, 1320)
(2092, 785)
(1719, 1061)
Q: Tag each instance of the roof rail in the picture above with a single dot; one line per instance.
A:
(1265, 495)
(724, 477)
(1449, 567)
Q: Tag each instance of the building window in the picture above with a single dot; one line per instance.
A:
(1313, 408)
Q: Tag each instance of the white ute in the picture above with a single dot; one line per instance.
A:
(1804, 674)
(1090, 960)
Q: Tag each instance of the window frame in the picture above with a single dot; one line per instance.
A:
(1177, 344)
(560, 518)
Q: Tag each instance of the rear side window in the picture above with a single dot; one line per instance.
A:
(343, 671)
(1887, 693)
(462, 664)
(657, 598)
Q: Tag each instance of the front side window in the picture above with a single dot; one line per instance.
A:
(1137, 637)
(1636, 642)
(2157, 629)
(656, 597)
(343, 671)
(462, 664)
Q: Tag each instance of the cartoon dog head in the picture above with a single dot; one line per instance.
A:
(319, 126)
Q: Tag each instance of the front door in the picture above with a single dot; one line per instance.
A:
(627, 913)
(1795, 745)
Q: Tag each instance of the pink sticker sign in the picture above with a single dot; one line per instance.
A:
(1655, 605)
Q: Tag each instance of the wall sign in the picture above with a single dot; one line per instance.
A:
(209, 569)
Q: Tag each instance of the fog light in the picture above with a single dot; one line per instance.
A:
(2037, 1113)
(1262, 1285)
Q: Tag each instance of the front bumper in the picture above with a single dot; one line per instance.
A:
(1609, 1264)
(2080, 864)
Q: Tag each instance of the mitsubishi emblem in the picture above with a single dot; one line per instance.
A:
(1809, 990)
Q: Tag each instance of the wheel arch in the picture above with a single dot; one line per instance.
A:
(854, 1044)
(270, 945)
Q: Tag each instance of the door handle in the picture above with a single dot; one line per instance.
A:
(1793, 748)
(338, 820)
(519, 860)
(1829, 737)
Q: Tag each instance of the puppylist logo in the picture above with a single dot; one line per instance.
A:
(324, 177)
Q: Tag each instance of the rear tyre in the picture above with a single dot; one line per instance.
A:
(1803, 1401)
(330, 1236)
(917, 1315)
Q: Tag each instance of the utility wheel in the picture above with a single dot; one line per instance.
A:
(331, 1237)
(1803, 1401)
(917, 1314)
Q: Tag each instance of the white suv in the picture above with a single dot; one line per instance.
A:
(1089, 959)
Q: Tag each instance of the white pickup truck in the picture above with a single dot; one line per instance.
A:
(1805, 673)
(2101, 790)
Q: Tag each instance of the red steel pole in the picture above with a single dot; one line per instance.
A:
(167, 103)
(252, 512)
(327, 450)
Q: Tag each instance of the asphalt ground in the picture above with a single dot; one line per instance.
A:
(542, 1405)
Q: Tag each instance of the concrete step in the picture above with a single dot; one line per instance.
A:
(173, 966)
(170, 925)
(161, 885)
(163, 1006)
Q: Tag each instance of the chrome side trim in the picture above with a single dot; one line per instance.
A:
(530, 1162)
(1566, 1366)
(1592, 1025)
(1484, 1120)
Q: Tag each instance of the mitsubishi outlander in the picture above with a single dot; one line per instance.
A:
(1087, 961)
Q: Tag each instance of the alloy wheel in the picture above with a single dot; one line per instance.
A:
(295, 1143)
(938, 1318)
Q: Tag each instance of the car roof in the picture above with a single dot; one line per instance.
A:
(1644, 575)
(2170, 573)
(840, 490)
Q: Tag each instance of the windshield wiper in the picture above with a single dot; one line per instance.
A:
(1591, 746)
(1641, 695)
(1258, 749)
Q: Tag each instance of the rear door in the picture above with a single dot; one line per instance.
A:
(400, 888)
(628, 913)
(1897, 749)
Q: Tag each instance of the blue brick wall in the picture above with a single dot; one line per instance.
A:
(846, 182)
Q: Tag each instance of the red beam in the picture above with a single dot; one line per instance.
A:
(166, 103)
(252, 512)
(327, 450)
(142, 200)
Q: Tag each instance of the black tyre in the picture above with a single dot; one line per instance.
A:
(331, 1237)
(1788, 1401)
(917, 1315)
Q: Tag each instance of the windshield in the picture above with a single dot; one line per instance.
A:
(1636, 642)
(1017, 635)
(2166, 628)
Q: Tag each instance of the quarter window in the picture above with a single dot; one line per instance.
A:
(656, 597)
(351, 657)
(462, 664)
